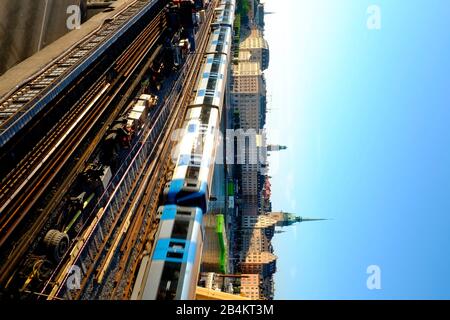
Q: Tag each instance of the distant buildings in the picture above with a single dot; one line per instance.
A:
(248, 91)
(255, 48)
(264, 263)
(254, 256)
(248, 98)
(250, 286)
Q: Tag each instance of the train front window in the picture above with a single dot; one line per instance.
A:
(169, 281)
(180, 229)
(193, 173)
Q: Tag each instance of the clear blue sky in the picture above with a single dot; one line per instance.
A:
(366, 118)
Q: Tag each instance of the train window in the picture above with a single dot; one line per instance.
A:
(193, 173)
(211, 86)
(203, 128)
(197, 150)
(192, 127)
(211, 92)
(215, 68)
(180, 229)
(208, 100)
(183, 213)
(169, 281)
(217, 59)
(177, 255)
(184, 159)
(179, 245)
(204, 115)
(196, 159)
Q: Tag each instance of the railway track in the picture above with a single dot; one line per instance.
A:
(140, 237)
(132, 225)
(18, 107)
(31, 178)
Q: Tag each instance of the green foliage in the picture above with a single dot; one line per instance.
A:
(243, 7)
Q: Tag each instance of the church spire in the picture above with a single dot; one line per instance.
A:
(286, 219)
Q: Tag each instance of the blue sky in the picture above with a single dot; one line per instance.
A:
(366, 118)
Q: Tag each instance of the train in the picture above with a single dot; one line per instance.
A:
(170, 271)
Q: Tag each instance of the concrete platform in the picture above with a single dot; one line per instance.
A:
(15, 76)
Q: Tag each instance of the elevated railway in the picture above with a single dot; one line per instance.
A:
(50, 167)
(54, 126)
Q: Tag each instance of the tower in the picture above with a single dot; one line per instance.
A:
(286, 219)
(275, 147)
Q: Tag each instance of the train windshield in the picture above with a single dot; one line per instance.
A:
(169, 281)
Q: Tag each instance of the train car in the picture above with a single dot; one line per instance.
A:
(194, 166)
(172, 272)
(212, 82)
(220, 41)
(192, 175)
(224, 14)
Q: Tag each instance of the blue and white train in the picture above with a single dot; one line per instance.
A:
(171, 270)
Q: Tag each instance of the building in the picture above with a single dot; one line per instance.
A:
(215, 253)
(259, 16)
(258, 222)
(266, 204)
(250, 286)
(210, 294)
(267, 288)
(263, 263)
(255, 48)
(275, 147)
(255, 240)
(248, 92)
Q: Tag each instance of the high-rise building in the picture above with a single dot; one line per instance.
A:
(247, 92)
(247, 96)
